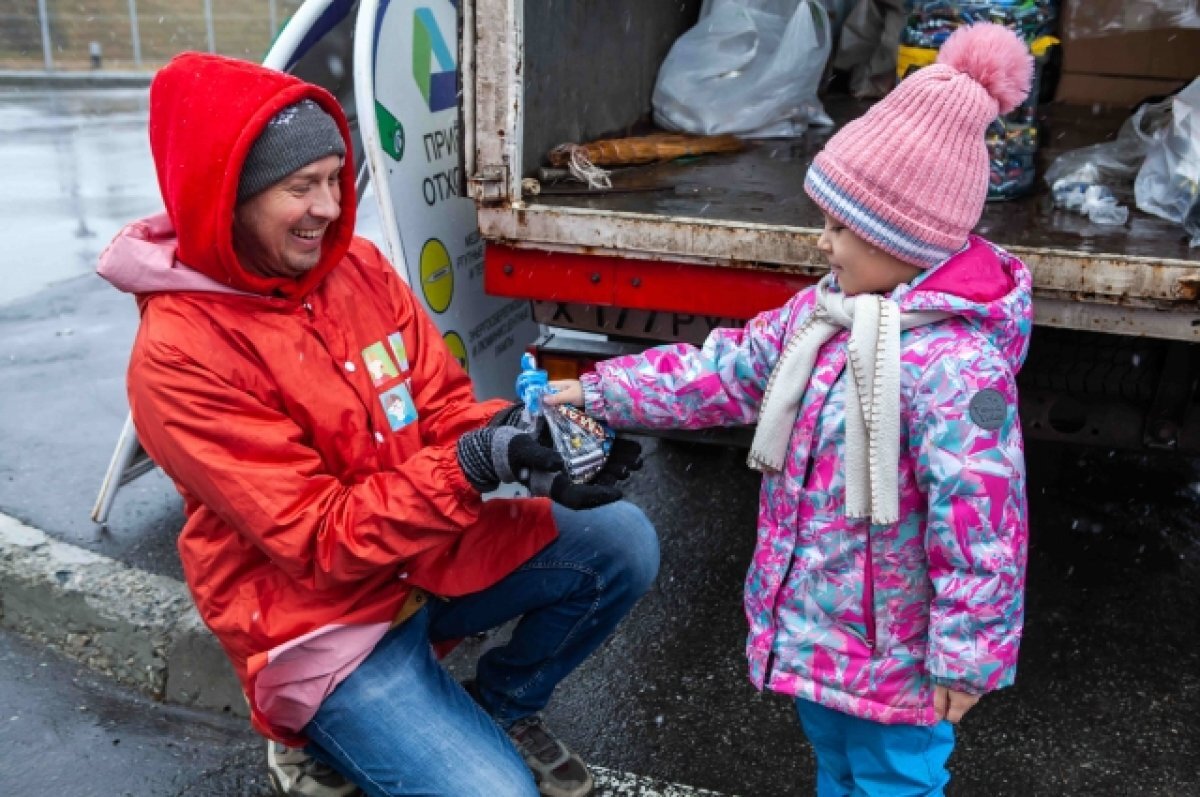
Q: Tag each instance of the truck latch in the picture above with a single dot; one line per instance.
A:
(488, 185)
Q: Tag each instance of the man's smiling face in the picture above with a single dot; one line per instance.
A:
(279, 231)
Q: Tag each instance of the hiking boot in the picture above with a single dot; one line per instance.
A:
(558, 771)
(294, 773)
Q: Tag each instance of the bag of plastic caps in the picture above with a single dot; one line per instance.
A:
(1012, 139)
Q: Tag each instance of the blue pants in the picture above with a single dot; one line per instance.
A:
(862, 758)
(401, 725)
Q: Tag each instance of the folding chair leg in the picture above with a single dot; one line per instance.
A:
(128, 462)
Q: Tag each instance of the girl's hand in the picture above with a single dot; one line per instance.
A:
(566, 391)
(950, 704)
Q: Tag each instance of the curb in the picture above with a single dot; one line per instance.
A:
(74, 80)
(136, 627)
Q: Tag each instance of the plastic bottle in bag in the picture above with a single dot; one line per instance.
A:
(1012, 139)
(582, 441)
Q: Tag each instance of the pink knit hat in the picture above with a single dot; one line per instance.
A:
(911, 175)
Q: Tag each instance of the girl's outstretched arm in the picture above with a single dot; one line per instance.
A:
(680, 386)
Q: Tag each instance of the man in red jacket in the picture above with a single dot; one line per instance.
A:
(332, 457)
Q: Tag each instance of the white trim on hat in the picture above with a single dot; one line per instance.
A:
(859, 216)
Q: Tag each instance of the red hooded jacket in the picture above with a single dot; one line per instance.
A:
(309, 424)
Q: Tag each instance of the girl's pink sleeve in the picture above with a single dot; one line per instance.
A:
(680, 386)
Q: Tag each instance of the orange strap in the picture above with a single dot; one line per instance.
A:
(415, 600)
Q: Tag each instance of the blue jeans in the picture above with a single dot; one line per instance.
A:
(401, 725)
(862, 758)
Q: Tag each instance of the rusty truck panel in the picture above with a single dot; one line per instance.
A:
(748, 210)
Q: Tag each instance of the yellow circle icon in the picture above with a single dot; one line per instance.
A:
(457, 348)
(437, 275)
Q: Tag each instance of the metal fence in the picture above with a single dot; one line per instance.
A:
(57, 35)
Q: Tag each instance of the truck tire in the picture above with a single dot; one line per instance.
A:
(1087, 364)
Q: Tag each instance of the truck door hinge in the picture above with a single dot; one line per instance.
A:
(489, 185)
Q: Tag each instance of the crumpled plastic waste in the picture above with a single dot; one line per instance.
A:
(1157, 149)
(1081, 193)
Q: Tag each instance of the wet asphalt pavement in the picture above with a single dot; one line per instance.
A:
(67, 732)
(75, 170)
(1107, 700)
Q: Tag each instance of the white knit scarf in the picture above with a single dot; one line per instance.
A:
(872, 395)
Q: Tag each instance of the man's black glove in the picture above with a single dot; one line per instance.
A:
(624, 458)
(581, 496)
(490, 456)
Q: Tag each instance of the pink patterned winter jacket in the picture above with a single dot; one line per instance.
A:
(866, 618)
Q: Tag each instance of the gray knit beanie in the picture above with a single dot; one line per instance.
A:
(295, 137)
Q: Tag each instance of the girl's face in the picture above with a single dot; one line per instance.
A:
(858, 266)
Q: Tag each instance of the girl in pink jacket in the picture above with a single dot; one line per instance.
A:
(886, 590)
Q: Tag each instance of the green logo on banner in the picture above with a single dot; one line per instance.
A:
(438, 81)
(391, 132)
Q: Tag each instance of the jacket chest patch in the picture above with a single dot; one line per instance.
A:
(398, 405)
(398, 351)
(386, 361)
(379, 364)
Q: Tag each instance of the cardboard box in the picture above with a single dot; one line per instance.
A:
(1121, 69)
(1111, 91)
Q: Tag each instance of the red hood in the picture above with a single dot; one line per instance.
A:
(206, 111)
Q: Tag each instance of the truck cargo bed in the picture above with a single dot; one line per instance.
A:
(679, 248)
(533, 91)
(763, 185)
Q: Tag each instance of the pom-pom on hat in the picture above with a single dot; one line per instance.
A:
(295, 137)
(911, 174)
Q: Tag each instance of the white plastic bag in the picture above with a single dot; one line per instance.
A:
(1168, 184)
(1096, 18)
(748, 67)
